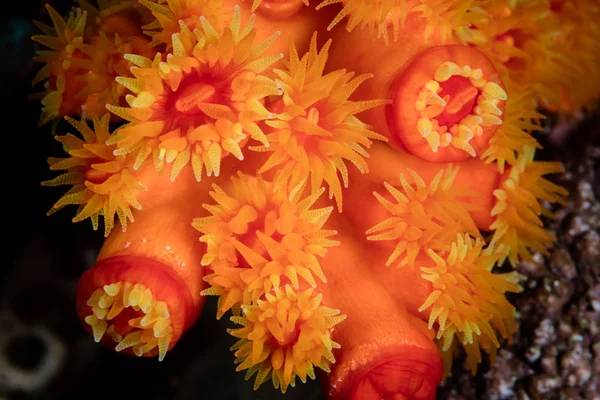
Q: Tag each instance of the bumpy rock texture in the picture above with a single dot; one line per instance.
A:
(556, 351)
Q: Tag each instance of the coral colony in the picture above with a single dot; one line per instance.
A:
(346, 176)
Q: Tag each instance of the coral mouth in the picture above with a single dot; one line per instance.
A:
(448, 103)
(133, 304)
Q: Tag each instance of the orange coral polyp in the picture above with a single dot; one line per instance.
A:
(284, 336)
(114, 323)
(448, 103)
(64, 39)
(317, 131)
(104, 62)
(517, 225)
(259, 237)
(201, 102)
(169, 15)
(102, 183)
(264, 250)
(423, 215)
(467, 298)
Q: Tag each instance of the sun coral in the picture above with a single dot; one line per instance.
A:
(376, 15)
(260, 237)
(200, 102)
(448, 104)
(284, 336)
(171, 14)
(63, 39)
(102, 183)
(136, 304)
(517, 226)
(316, 130)
(461, 162)
(425, 216)
(105, 61)
(581, 43)
(468, 300)
(149, 331)
(521, 118)
(110, 17)
(539, 47)
(442, 18)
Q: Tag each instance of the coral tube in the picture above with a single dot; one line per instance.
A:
(385, 351)
(448, 100)
(144, 291)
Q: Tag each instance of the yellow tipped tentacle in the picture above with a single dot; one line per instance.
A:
(102, 183)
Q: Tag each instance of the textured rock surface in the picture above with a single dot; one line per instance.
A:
(556, 351)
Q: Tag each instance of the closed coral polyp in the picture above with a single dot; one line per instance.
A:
(132, 317)
(135, 304)
(449, 102)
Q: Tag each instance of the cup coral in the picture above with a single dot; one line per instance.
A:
(248, 120)
(316, 131)
(60, 87)
(200, 102)
(102, 183)
(261, 237)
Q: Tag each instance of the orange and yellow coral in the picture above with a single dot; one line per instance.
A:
(63, 39)
(102, 183)
(261, 237)
(285, 336)
(468, 299)
(245, 142)
(200, 102)
(424, 216)
(315, 131)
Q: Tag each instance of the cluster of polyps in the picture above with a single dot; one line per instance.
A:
(208, 101)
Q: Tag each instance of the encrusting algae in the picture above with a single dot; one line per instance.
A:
(230, 146)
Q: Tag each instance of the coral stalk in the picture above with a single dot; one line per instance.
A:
(158, 260)
(385, 350)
